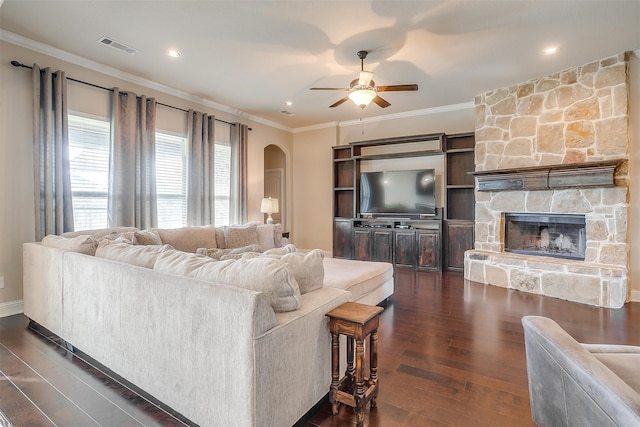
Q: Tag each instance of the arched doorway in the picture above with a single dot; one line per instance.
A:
(274, 181)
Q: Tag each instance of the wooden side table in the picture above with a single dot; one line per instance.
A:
(356, 322)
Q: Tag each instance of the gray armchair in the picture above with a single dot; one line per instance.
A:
(573, 384)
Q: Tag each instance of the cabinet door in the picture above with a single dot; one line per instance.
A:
(404, 248)
(428, 247)
(362, 244)
(382, 247)
(459, 238)
(342, 247)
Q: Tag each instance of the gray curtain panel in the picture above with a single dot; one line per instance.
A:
(51, 177)
(201, 169)
(239, 147)
(132, 170)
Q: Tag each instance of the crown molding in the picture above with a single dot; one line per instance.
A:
(395, 116)
(45, 49)
(407, 114)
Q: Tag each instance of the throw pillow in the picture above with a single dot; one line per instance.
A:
(218, 253)
(240, 235)
(308, 269)
(267, 275)
(83, 244)
(266, 236)
(189, 239)
(147, 237)
(142, 256)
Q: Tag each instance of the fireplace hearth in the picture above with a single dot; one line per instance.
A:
(554, 235)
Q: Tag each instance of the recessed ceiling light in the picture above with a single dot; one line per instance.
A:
(551, 50)
(173, 53)
(288, 103)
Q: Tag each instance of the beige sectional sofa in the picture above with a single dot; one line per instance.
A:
(217, 353)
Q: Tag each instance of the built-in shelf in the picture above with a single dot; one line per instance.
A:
(570, 175)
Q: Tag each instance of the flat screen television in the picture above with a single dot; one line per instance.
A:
(398, 193)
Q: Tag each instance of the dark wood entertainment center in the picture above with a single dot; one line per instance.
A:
(421, 243)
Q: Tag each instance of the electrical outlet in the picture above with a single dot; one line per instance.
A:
(1, 282)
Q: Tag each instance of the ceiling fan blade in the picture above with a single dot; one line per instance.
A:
(381, 102)
(335, 104)
(397, 88)
(328, 88)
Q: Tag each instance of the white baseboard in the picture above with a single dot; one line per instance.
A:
(10, 308)
(635, 296)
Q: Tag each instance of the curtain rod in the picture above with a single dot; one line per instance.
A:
(19, 64)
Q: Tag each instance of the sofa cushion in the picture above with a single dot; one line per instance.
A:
(83, 244)
(102, 232)
(269, 236)
(179, 263)
(236, 236)
(142, 256)
(287, 249)
(189, 239)
(147, 237)
(357, 277)
(307, 268)
(235, 253)
(267, 275)
(624, 365)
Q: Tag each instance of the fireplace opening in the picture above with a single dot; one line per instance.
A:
(554, 235)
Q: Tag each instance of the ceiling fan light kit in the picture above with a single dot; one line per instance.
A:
(362, 97)
(363, 90)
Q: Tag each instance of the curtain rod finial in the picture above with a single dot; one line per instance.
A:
(16, 63)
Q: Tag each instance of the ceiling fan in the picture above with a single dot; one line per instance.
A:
(363, 90)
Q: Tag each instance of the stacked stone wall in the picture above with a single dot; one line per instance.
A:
(574, 116)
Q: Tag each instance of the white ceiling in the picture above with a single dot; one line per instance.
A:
(253, 56)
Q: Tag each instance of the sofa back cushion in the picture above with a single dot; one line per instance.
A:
(218, 253)
(267, 275)
(189, 239)
(179, 263)
(103, 232)
(83, 244)
(142, 256)
(307, 268)
(269, 236)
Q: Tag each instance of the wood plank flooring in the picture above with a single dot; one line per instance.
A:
(451, 353)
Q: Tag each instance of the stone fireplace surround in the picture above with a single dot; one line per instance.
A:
(571, 117)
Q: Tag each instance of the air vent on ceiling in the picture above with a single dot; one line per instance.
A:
(287, 113)
(117, 45)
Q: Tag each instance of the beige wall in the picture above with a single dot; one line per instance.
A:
(313, 181)
(16, 161)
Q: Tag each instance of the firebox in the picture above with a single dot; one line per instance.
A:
(554, 235)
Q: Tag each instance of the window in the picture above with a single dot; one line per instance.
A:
(223, 183)
(89, 167)
(171, 180)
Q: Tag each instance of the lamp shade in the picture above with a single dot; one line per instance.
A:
(362, 97)
(269, 205)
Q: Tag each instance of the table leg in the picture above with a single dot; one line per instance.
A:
(359, 386)
(350, 370)
(373, 363)
(335, 372)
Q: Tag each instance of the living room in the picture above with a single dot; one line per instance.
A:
(307, 149)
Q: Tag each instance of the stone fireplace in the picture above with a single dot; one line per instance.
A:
(551, 185)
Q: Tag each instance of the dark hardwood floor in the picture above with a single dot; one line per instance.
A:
(450, 354)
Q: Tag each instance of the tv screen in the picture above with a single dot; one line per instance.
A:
(398, 192)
